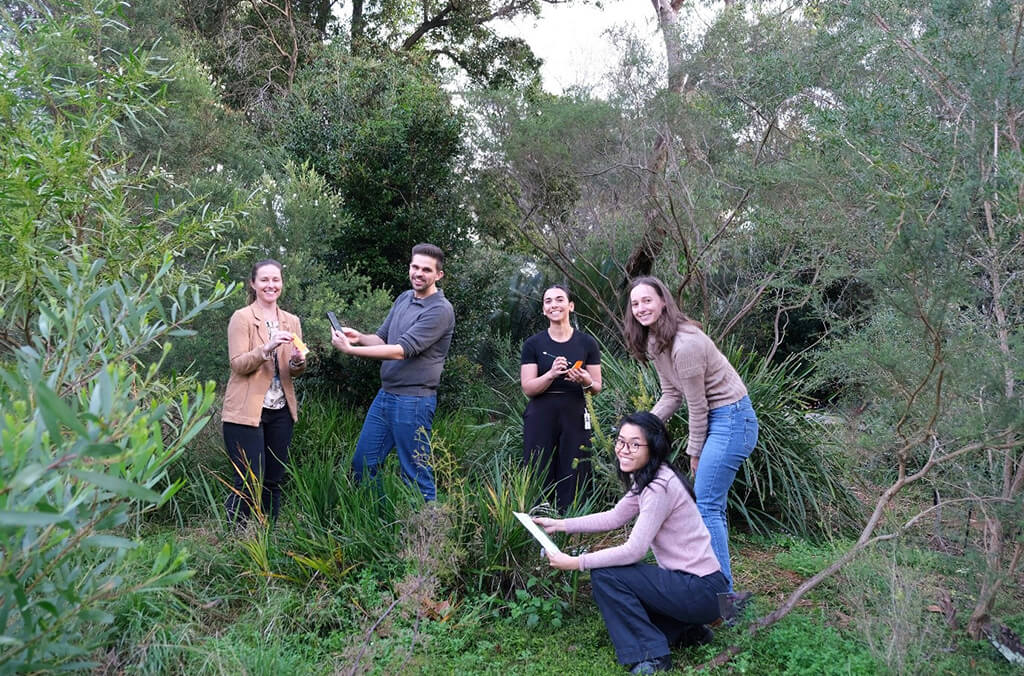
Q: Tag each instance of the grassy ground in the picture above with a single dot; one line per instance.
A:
(230, 618)
(347, 583)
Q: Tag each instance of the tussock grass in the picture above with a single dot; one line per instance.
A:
(367, 579)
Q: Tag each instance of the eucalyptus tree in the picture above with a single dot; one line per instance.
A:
(256, 48)
(711, 186)
(918, 156)
(924, 135)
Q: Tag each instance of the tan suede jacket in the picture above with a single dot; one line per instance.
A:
(251, 374)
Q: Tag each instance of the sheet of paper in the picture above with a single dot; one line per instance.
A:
(537, 532)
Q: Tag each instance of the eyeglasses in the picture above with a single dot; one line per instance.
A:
(629, 447)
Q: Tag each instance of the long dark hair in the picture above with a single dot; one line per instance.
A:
(671, 319)
(251, 292)
(659, 447)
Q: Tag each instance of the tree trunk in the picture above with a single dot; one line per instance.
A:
(641, 259)
(995, 267)
(358, 26)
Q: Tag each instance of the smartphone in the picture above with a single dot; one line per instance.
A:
(333, 319)
(578, 364)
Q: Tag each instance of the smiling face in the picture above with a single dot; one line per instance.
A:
(267, 283)
(423, 275)
(631, 448)
(556, 305)
(645, 304)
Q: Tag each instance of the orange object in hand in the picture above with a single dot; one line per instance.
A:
(299, 345)
(578, 364)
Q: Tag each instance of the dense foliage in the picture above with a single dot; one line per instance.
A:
(833, 189)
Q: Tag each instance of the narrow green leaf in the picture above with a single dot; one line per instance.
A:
(93, 615)
(27, 476)
(56, 411)
(110, 541)
(116, 485)
(101, 450)
(29, 519)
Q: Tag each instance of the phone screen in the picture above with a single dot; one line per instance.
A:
(334, 321)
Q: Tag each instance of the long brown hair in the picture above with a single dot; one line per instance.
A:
(251, 292)
(664, 329)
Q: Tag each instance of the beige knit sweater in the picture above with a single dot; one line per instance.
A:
(694, 370)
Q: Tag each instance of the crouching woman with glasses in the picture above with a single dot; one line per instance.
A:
(648, 609)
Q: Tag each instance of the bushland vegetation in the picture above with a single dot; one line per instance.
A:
(834, 189)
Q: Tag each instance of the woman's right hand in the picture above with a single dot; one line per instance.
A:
(559, 367)
(276, 338)
(550, 525)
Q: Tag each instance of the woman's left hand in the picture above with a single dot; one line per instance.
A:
(562, 561)
(580, 376)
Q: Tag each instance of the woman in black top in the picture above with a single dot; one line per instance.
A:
(557, 365)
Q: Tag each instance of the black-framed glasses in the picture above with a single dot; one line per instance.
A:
(630, 447)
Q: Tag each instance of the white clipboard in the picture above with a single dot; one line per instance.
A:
(537, 533)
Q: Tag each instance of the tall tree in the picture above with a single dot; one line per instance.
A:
(387, 138)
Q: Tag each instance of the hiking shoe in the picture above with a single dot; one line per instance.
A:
(698, 634)
(653, 665)
(731, 605)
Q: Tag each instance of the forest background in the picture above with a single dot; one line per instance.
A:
(834, 188)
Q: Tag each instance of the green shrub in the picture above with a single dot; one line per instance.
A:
(792, 480)
(87, 440)
(94, 285)
(804, 646)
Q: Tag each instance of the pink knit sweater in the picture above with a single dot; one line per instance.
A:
(667, 522)
(694, 369)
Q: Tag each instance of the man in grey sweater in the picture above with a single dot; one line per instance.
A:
(412, 344)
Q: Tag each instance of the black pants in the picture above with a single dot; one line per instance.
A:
(646, 608)
(554, 440)
(263, 450)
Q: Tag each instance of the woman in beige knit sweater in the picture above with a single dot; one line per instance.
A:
(722, 424)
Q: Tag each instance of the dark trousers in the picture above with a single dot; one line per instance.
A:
(263, 451)
(647, 609)
(555, 442)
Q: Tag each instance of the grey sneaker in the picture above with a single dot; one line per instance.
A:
(653, 665)
(731, 605)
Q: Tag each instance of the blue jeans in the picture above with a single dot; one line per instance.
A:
(732, 435)
(403, 422)
(646, 609)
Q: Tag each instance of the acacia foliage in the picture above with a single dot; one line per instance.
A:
(92, 287)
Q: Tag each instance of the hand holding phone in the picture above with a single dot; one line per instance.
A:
(333, 319)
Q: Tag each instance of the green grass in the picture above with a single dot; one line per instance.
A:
(365, 578)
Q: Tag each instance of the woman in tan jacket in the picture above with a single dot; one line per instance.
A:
(260, 410)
